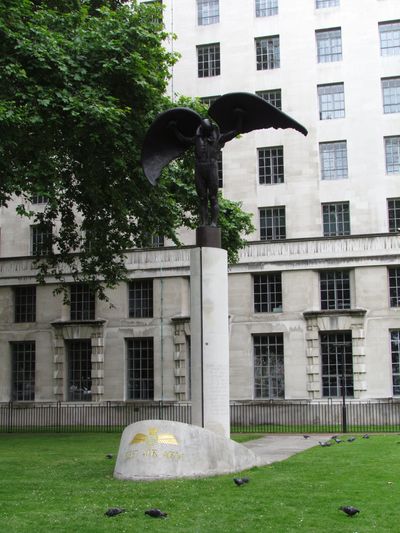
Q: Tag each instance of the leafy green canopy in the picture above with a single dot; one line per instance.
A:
(80, 82)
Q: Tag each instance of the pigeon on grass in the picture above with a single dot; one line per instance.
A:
(324, 444)
(349, 510)
(155, 513)
(239, 481)
(109, 456)
(114, 511)
(351, 439)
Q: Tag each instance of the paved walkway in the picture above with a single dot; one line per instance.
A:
(272, 448)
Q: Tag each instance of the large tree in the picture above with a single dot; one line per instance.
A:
(80, 82)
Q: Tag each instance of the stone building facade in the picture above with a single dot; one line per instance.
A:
(314, 301)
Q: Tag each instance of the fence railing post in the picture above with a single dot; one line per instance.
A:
(9, 417)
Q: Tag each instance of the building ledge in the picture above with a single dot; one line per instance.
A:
(334, 312)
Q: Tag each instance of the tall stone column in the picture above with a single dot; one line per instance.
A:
(210, 339)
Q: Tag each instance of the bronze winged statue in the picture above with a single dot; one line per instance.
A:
(179, 129)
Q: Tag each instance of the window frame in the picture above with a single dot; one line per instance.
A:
(268, 54)
(266, 8)
(268, 366)
(267, 292)
(393, 212)
(331, 107)
(391, 95)
(275, 231)
(333, 160)
(329, 45)
(336, 219)
(332, 367)
(384, 28)
(394, 286)
(271, 168)
(24, 304)
(23, 370)
(335, 290)
(79, 366)
(141, 298)
(392, 154)
(144, 367)
(272, 96)
(208, 60)
(207, 12)
(82, 304)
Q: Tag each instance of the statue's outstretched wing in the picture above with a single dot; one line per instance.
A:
(258, 114)
(161, 145)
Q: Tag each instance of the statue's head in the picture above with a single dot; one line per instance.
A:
(206, 126)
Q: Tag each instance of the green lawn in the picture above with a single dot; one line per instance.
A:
(63, 482)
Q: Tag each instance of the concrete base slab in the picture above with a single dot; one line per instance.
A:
(161, 449)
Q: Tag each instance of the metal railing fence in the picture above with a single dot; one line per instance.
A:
(246, 417)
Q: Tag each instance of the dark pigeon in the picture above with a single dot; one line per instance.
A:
(351, 439)
(239, 481)
(306, 436)
(366, 436)
(155, 513)
(109, 456)
(114, 511)
(338, 441)
(349, 510)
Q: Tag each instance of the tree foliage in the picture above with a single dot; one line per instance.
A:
(80, 82)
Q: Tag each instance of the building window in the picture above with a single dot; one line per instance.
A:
(79, 370)
(394, 214)
(391, 95)
(394, 286)
(41, 239)
(392, 154)
(157, 241)
(333, 157)
(23, 371)
(268, 293)
(82, 302)
(39, 199)
(269, 373)
(336, 219)
(335, 289)
(337, 364)
(25, 304)
(140, 353)
(208, 100)
(326, 3)
(272, 223)
(220, 171)
(141, 298)
(331, 101)
(266, 8)
(208, 60)
(270, 165)
(329, 45)
(207, 12)
(273, 97)
(389, 33)
(395, 345)
(267, 52)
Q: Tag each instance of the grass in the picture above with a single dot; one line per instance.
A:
(64, 483)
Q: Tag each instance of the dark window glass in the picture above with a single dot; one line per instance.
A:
(141, 298)
(140, 353)
(335, 289)
(25, 303)
(79, 370)
(268, 293)
(23, 371)
(269, 374)
(82, 302)
(337, 364)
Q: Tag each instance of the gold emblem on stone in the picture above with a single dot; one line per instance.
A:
(154, 438)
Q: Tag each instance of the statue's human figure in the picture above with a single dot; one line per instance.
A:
(180, 128)
(208, 142)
